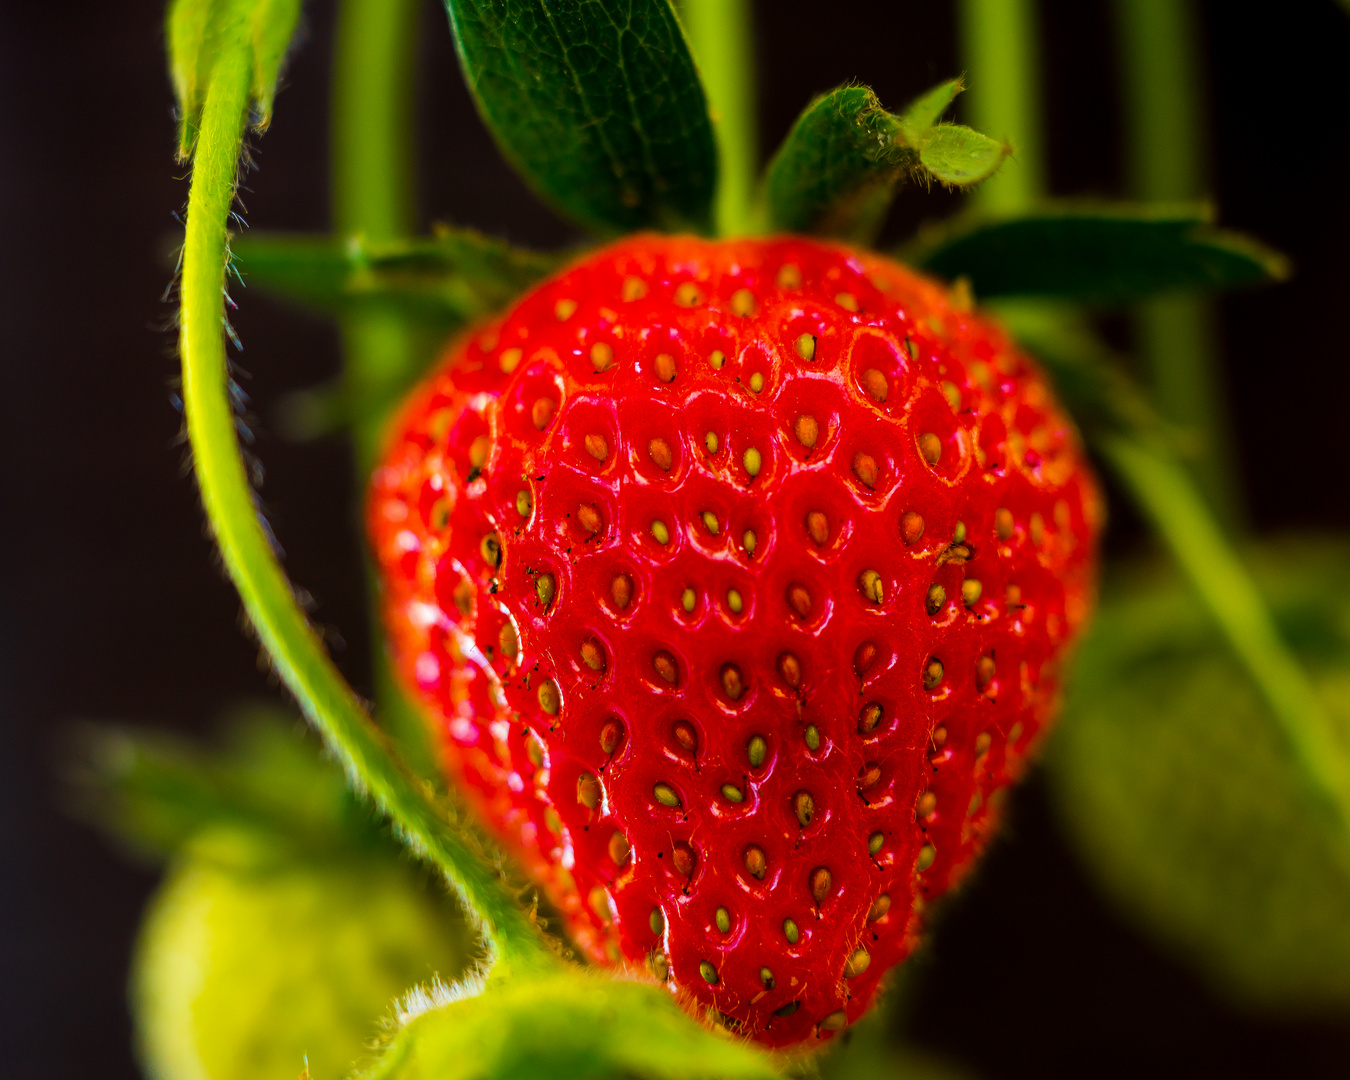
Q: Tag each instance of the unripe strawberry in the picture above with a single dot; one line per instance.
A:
(737, 577)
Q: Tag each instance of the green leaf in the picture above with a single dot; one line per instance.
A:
(574, 1025)
(960, 156)
(1103, 253)
(454, 276)
(255, 958)
(156, 792)
(598, 105)
(1182, 799)
(837, 170)
(200, 32)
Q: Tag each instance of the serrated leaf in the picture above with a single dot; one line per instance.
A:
(598, 105)
(574, 1025)
(201, 32)
(1183, 800)
(838, 168)
(456, 275)
(960, 156)
(1104, 253)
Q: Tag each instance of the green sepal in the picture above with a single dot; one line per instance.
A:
(838, 168)
(199, 32)
(927, 109)
(597, 104)
(957, 156)
(1181, 797)
(453, 276)
(571, 1025)
(1095, 252)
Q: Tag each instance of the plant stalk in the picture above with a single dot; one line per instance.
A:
(227, 495)
(373, 199)
(373, 190)
(721, 37)
(1165, 131)
(1002, 59)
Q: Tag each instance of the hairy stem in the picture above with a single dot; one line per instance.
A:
(1002, 60)
(722, 40)
(1165, 159)
(227, 496)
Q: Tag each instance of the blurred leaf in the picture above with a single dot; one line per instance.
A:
(838, 168)
(200, 32)
(869, 1051)
(598, 105)
(1089, 376)
(1105, 253)
(156, 791)
(574, 1025)
(1182, 799)
(456, 275)
(254, 957)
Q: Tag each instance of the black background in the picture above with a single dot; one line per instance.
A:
(112, 606)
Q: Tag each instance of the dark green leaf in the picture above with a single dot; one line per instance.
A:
(456, 275)
(574, 1025)
(201, 32)
(837, 170)
(1104, 253)
(598, 104)
(1183, 799)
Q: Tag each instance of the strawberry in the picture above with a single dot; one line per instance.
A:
(737, 577)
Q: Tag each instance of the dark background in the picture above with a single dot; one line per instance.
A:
(112, 606)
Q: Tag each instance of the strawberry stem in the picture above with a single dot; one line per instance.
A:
(1165, 142)
(722, 41)
(250, 559)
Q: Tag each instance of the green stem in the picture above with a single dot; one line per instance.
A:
(1165, 156)
(1002, 59)
(228, 498)
(722, 39)
(373, 101)
(372, 190)
(1165, 492)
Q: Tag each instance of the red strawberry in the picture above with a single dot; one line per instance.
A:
(736, 577)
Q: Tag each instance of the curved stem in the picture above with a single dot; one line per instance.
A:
(227, 496)
(722, 39)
